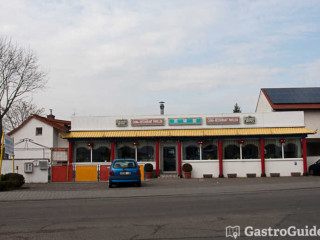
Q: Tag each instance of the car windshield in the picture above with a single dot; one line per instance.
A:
(124, 164)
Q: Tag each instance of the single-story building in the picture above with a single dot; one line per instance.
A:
(258, 144)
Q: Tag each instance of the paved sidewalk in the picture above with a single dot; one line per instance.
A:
(157, 187)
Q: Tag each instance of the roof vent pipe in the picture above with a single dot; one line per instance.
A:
(161, 108)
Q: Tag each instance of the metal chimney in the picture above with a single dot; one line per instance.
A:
(161, 108)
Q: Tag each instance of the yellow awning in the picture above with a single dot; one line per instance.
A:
(189, 132)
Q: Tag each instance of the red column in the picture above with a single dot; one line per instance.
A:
(112, 151)
(70, 153)
(304, 149)
(263, 165)
(179, 159)
(220, 159)
(157, 159)
(69, 166)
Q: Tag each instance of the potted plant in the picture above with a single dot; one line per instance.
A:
(148, 168)
(187, 168)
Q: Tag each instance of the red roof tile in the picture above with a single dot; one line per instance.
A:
(61, 125)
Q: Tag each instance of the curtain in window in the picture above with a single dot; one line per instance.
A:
(210, 150)
(251, 149)
(191, 150)
(81, 152)
(146, 151)
(272, 148)
(231, 149)
(126, 150)
(292, 148)
(101, 152)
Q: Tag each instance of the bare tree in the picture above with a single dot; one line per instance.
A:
(20, 75)
(19, 111)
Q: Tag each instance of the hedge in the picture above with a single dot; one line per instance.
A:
(11, 181)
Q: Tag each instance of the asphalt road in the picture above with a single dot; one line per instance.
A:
(188, 216)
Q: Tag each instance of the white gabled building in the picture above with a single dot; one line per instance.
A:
(36, 139)
(37, 135)
(296, 99)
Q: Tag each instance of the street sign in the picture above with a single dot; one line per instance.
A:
(8, 145)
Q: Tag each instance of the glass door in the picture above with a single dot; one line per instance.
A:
(169, 159)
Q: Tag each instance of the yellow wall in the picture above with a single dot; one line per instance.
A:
(142, 171)
(90, 173)
(86, 173)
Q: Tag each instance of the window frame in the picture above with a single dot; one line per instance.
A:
(39, 131)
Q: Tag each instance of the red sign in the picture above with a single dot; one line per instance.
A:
(147, 122)
(223, 120)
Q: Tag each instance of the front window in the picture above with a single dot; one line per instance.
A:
(231, 149)
(126, 150)
(191, 151)
(82, 152)
(250, 149)
(146, 151)
(292, 148)
(100, 152)
(210, 150)
(272, 148)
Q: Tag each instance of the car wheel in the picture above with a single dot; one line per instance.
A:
(311, 172)
(139, 184)
(110, 184)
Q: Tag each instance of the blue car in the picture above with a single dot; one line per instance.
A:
(124, 171)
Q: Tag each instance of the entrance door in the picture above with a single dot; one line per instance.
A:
(169, 159)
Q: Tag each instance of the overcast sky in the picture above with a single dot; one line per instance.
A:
(201, 57)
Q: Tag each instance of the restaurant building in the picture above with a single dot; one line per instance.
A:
(220, 145)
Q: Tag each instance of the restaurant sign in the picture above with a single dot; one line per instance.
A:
(222, 120)
(249, 120)
(122, 122)
(147, 122)
(185, 121)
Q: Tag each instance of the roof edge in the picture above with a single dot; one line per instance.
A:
(53, 123)
(170, 132)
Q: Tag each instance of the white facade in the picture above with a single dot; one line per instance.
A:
(27, 150)
(312, 121)
(263, 120)
(263, 104)
(48, 139)
(34, 141)
(241, 162)
(36, 176)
